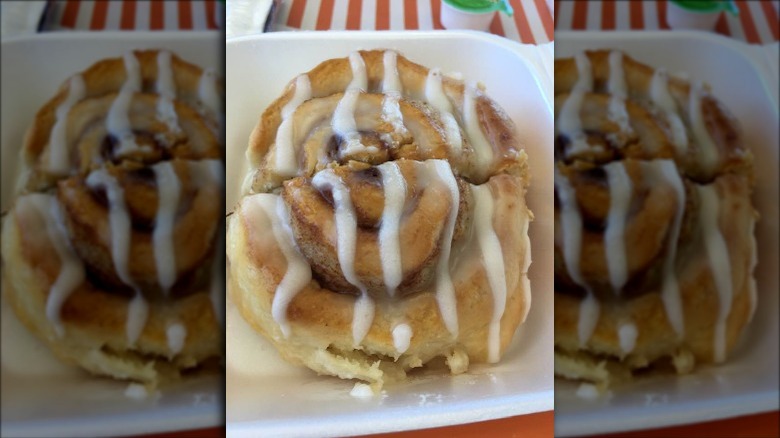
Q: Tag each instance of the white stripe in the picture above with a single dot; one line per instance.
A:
(113, 15)
(650, 15)
(761, 21)
(510, 28)
(622, 16)
(397, 15)
(565, 16)
(171, 14)
(593, 15)
(283, 12)
(424, 15)
(368, 15)
(84, 17)
(735, 26)
(142, 15)
(339, 19)
(310, 13)
(534, 22)
(199, 15)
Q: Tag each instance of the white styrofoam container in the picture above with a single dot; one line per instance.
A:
(748, 382)
(40, 396)
(267, 397)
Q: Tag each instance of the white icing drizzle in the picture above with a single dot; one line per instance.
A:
(389, 242)
(58, 148)
(345, 126)
(620, 189)
(71, 272)
(391, 113)
(568, 122)
(207, 91)
(720, 265)
(166, 88)
(572, 247)
(391, 82)
(285, 164)
(298, 273)
(137, 314)
(435, 96)
(169, 190)
(119, 225)
(445, 291)
(659, 93)
(483, 150)
(346, 231)
(708, 150)
(176, 334)
(359, 76)
(617, 87)
(118, 121)
(402, 337)
(493, 261)
(670, 292)
(627, 334)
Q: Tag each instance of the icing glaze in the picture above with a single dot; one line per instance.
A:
(285, 163)
(435, 96)
(58, 148)
(389, 242)
(402, 336)
(620, 189)
(670, 290)
(169, 190)
(659, 93)
(445, 292)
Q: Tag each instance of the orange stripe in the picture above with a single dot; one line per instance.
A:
(637, 15)
(211, 14)
(722, 26)
(662, 23)
(496, 28)
(771, 18)
(436, 12)
(185, 14)
(382, 14)
(127, 21)
(70, 14)
(608, 15)
(99, 13)
(354, 10)
(325, 15)
(157, 15)
(522, 23)
(544, 14)
(580, 15)
(746, 18)
(410, 15)
(296, 13)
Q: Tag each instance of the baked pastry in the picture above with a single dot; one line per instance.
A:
(110, 249)
(384, 224)
(654, 245)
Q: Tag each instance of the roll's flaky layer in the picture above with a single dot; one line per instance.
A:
(654, 245)
(385, 224)
(111, 248)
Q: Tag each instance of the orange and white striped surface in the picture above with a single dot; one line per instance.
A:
(131, 15)
(532, 21)
(757, 22)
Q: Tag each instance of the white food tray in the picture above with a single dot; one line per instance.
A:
(267, 397)
(747, 383)
(40, 396)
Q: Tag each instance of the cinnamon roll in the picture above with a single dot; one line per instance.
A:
(111, 249)
(654, 244)
(384, 224)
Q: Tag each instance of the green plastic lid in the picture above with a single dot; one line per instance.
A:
(481, 6)
(707, 5)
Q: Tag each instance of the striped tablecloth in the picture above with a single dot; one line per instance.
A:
(131, 15)
(757, 22)
(532, 21)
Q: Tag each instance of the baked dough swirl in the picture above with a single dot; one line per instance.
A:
(384, 224)
(111, 248)
(654, 245)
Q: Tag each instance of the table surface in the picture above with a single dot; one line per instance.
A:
(532, 23)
